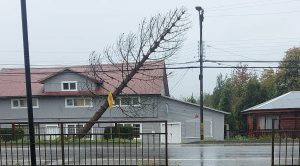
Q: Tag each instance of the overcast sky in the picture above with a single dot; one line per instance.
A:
(64, 32)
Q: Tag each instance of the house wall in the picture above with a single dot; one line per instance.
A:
(53, 109)
(282, 114)
(176, 111)
(250, 122)
(152, 107)
(54, 83)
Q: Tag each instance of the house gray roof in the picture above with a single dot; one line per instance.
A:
(285, 101)
(208, 108)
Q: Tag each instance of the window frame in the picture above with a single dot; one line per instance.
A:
(69, 82)
(131, 100)
(76, 129)
(266, 122)
(25, 100)
(74, 98)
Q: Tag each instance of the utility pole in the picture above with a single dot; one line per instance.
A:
(201, 12)
(28, 82)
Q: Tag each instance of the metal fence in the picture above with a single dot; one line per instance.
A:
(255, 134)
(286, 142)
(108, 143)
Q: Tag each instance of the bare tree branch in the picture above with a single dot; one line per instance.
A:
(157, 38)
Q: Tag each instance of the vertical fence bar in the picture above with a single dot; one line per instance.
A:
(293, 148)
(96, 137)
(148, 149)
(136, 149)
(166, 142)
(11, 147)
(84, 141)
(130, 156)
(5, 146)
(56, 155)
(62, 139)
(298, 149)
(124, 145)
(142, 148)
(159, 141)
(91, 161)
(279, 147)
(273, 135)
(74, 151)
(39, 139)
(286, 147)
(22, 142)
(0, 151)
(68, 149)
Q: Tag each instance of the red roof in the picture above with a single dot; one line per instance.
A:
(150, 80)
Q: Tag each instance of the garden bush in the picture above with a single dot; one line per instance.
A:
(7, 134)
(125, 132)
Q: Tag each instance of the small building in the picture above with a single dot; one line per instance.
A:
(284, 109)
(70, 94)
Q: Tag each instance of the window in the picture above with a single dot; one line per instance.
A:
(22, 103)
(51, 131)
(69, 86)
(73, 129)
(265, 122)
(127, 101)
(78, 102)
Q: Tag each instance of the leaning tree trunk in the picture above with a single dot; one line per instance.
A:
(152, 49)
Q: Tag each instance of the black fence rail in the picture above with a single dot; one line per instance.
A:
(108, 143)
(286, 142)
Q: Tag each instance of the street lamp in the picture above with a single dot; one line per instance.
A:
(201, 12)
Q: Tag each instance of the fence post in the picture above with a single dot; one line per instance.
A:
(166, 141)
(62, 139)
(273, 135)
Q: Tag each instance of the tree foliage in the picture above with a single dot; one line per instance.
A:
(288, 76)
(244, 89)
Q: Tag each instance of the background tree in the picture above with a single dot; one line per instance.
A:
(244, 89)
(268, 82)
(288, 75)
(157, 38)
(191, 99)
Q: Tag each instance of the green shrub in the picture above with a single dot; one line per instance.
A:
(7, 134)
(125, 132)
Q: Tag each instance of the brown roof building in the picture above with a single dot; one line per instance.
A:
(284, 110)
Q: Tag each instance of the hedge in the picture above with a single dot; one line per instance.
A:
(125, 132)
(6, 134)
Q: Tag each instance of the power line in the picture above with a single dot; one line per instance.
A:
(249, 61)
(147, 69)
(256, 14)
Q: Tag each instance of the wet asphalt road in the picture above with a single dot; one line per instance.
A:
(220, 155)
(179, 155)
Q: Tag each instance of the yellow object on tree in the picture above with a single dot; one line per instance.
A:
(110, 100)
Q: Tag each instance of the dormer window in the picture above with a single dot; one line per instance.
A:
(69, 86)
